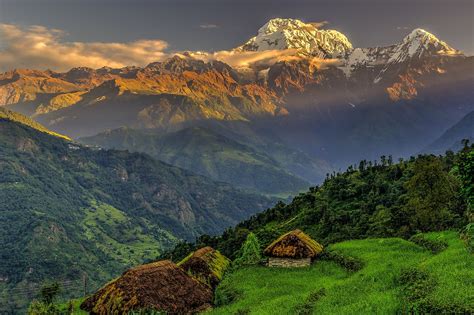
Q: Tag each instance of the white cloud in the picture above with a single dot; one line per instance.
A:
(42, 48)
(319, 24)
(261, 59)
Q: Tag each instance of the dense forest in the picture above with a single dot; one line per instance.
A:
(371, 199)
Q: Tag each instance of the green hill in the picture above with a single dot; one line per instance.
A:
(68, 210)
(376, 261)
(374, 199)
(440, 283)
(207, 152)
(12, 116)
(381, 255)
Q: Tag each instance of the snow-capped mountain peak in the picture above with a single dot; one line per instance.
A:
(306, 38)
(420, 43)
(417, 44)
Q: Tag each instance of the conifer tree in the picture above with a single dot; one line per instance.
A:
(250, 253)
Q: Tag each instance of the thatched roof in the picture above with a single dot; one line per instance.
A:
(294, 244)
(206, 265)
(161, 286)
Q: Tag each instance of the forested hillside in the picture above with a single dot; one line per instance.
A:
(223, 155)
(69, 211)
(372, 199)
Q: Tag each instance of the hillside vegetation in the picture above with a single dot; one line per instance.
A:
(206, 151)
(417, 271)
(69, 211)
(374, 199)
(12, 116)
(397, 276)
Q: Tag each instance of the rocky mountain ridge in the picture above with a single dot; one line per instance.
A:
(310, 82)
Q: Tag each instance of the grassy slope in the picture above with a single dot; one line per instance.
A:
(372, 290)
(12, 116)
(65, 308)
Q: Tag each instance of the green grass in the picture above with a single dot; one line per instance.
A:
(112, 231)
(15, 117)
(374, 289)
(64, 308)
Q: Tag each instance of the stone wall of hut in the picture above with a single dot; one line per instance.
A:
(288, 262)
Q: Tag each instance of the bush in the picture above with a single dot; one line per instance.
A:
(435, 246)
(347, 262)
(49, 292)
(225, 294)
(41, 308)
(249, 253)
(417, 284)
(467, 235)
(45, 307)
(242, 311)
(308, 306)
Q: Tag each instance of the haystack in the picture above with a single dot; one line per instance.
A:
(160, 286)
(293, 249)
(206, 265)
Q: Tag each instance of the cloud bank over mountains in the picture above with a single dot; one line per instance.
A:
(43, 48)
(260, 59)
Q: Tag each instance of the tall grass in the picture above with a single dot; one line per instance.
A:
(375, 289)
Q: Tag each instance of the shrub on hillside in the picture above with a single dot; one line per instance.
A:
(45, 306)
(40, 308)
(435, 246)
(465, 168)
(226, 294)
(307, 308)
(250, 252)
(417, 285)
(467, 235)
(347, 262)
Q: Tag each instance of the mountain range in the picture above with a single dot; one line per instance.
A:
(308, 87)
(249, 161)
(452, 139)
(110, 167)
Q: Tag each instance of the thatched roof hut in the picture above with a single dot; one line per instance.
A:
(293, 246)
(161, 286)
(206, 265)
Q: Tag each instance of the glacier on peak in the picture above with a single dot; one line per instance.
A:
(278, 34)
(297, 40)
(417, 44)
(308, 40)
